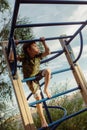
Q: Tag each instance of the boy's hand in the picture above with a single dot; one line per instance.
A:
(16, 42)
(47, 50)
(42, 39)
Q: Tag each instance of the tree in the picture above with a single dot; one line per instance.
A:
(22, 33)
(4, 5)
(5, 85)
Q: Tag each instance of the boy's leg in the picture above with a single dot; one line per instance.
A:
(11, 56)
(37, 96)
(40, 110)
(47, 74)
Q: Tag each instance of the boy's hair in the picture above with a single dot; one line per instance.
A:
(27, 45)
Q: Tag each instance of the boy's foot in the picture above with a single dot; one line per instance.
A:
(47, 93)
(44, 124)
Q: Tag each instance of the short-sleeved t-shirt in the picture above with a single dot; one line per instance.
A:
(31, 66)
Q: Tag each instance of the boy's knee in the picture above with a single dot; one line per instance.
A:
(37, 95)
(46, 72)
(49, 70)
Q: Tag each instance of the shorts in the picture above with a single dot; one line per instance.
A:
(34, 84)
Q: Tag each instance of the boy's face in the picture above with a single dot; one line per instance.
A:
(33, 49)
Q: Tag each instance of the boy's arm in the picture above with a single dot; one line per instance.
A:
(47, 50)
(16, 42)
(11, 55)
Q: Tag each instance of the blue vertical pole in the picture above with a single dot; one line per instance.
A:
(46, 108)
(77, 32)
(11, 40)
(14, 18)
(15, 14)
(54, 1)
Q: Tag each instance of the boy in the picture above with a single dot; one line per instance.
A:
(31, 67)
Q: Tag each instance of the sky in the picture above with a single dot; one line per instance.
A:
(57, 13)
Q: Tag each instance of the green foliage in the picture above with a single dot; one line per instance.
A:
(23, 33)
(20, 33)
(2, 106)
(5, 91)
(4, 5)
(36, 119)
(12, 124)
(73, 104)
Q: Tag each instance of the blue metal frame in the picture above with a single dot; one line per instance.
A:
(11, 44)
(55, 72)
(46, 109)
(54, 1)
(64, 119)
(13, 26)
(49, 24)
(81, 48)
(46, 39)
(56, 95)
(15, 14)
(57, 53)
(78, 31)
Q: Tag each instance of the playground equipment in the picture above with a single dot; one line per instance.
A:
(66, 48)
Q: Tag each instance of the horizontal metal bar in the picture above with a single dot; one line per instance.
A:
(59, 107)
(58, 53)
(65, 118)
(14, 18)
(60, 71)
(53, 52)
(53, 57)
(46, 39)
(77, 32)
(56, 95)
(48, 24)
(54, 1)
(54, 72)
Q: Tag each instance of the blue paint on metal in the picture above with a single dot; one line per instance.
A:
(54, 1)
(56, 95)
(55, 72)
(54, 124)
(46, 39)
(49, 24)
(65, 118)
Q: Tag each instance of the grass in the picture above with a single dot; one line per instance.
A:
(72, 104)
(12, 123)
